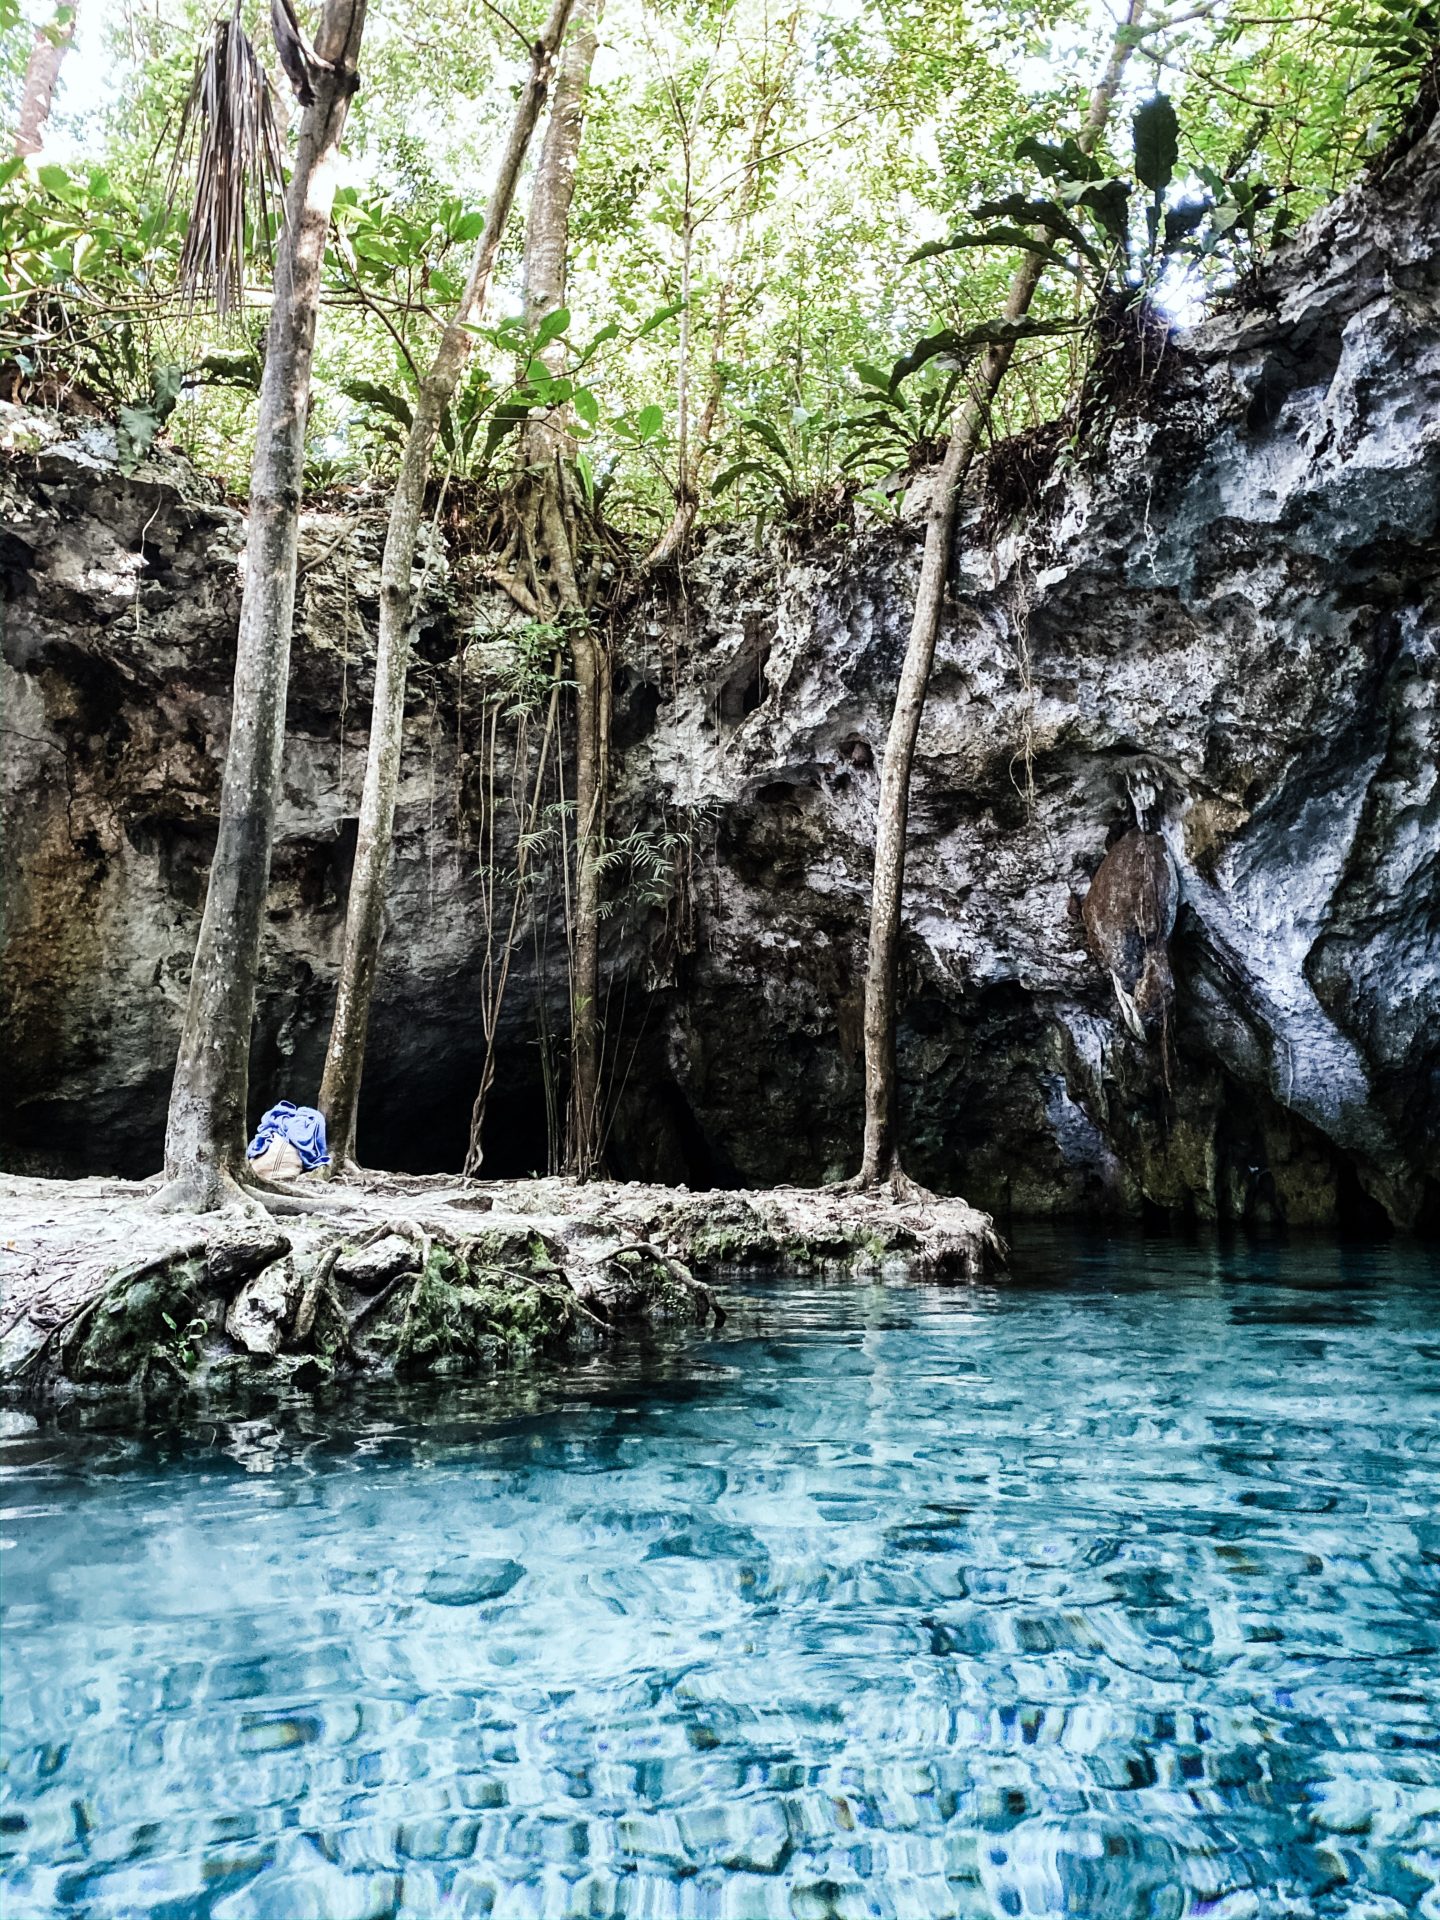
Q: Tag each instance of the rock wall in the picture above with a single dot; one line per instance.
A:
(1173, 923)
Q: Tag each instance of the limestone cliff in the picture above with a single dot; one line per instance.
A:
(1206, 648)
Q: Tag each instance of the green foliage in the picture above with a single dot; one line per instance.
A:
(799, 170)
(137, 426)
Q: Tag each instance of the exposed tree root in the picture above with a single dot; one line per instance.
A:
(207, 1188)
(897, 1184)
(204, 1188)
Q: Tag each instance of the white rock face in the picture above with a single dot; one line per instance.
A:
(260, 1314)
(1223, 625)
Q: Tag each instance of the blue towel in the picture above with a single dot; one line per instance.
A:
(303, 1127)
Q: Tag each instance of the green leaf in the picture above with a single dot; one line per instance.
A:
(587, 406)
(1109, 202)
(57, 181)
(873, 376)
(962, 346)
(506, 419)
(165, 384)
(9, 169)
(757, 467)
(659, 317)
(1182, 221)
(763, 431)
(552, 326)
(592, 346)
(1068, 161)
(649, 421)
(369, 393)
(946, 341)
(1037, 213)
(135, 431)
(1157, 143)
(997, 237)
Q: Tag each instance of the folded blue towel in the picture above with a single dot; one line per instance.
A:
(303, 1127)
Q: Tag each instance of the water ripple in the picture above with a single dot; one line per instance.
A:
(1113, 1594)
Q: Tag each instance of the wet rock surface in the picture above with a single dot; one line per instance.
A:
(1213, 640)
(411, 1278)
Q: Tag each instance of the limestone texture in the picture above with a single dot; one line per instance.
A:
(1210, 637)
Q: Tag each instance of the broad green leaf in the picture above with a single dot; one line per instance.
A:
(552, 326)
(1068, 161)
(587, 406)
(658, 318)
(57, 181)
(506, 419)
(1157, 143)
(1184, 220)
(758, 468)
(1037, 213)
(649, 421)
(998, 237)
(946, 341)
(370, 393)
(1109, 202)
(767, 434)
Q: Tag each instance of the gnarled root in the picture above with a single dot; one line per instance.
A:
(204, 1187)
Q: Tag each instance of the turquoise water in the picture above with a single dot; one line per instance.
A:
(1113, 1592)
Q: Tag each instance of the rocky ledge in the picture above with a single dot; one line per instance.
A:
(410, 1277)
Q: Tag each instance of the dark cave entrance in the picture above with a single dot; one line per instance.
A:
(418, 1121)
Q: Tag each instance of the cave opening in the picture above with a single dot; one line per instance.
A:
(419, 1122)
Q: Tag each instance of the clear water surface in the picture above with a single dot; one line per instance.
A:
(1112, 1591)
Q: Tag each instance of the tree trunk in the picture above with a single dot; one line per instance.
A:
(52, 43)
(205, 1134)
(547, 228)
(583, 1155)
(881, 1161)
(693, 443)
(547, 246)
(364, 919)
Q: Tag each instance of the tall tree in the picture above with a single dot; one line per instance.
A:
(547, 248)
(743, 186)
(205, 1135)
(42, 72)
(365, 913)
(206, 1131)
(881, 1159)
(549, 443)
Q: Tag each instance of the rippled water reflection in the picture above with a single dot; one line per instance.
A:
(1114, 1593)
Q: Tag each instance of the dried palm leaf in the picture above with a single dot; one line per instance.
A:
(229, 138)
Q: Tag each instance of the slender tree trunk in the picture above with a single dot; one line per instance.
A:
(547, 442)
(547, 228)
(364, 919)
(881, 1161)
(693, 441)
(52, 43)
(584, 1138)
(205, 1134)
(547, 246)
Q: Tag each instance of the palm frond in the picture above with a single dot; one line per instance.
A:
(229, 139)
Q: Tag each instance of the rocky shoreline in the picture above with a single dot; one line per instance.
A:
(411, 1277)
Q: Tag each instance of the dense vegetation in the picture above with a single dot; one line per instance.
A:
(772, 257)
(785, 161)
